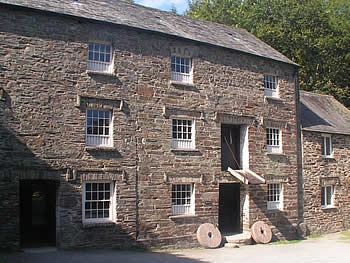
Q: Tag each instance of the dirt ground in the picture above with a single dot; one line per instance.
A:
(329, 248)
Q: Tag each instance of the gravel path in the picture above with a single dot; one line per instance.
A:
(327, 249)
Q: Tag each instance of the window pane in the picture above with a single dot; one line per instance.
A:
(91, 55)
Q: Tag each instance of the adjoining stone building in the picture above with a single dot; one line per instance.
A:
(326, 167)
(123, 125)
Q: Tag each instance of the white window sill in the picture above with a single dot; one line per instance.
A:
(277, 99)
(328, 207)
(100, 73)
(331, 157)
(174, 82)
(183, 216)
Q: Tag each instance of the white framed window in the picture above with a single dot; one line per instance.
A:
(327, 150)
(181, 69)
(183, 132)
(98, 202)
(274, 197)
(100, 57)
(99, 128)
(182, 199)
(274, 140)
(327, 196)
(271, 86)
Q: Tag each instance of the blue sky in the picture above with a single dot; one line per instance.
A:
(181, 5)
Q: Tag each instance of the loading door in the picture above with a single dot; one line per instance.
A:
(230, 147)
(229, 208)
(38, 213)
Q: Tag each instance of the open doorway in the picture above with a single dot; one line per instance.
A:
(229, 208)
(230, 147)
(38, 213)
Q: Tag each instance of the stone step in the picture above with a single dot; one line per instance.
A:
(237, 240)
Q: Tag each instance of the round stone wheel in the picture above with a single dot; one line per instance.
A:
(209, 236)
(261, 232)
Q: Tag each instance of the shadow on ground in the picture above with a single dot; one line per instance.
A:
(94, 256)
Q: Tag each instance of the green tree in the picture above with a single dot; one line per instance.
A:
(313, 33)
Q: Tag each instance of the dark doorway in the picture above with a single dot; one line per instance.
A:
(229, 208)
(38, 213)
(230, 147)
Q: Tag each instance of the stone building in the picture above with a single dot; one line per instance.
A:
(326, 168)
(123, 125)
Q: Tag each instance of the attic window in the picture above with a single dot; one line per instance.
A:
(181, 69)
(100, 57)
(271, 86)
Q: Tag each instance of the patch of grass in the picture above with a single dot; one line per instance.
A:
(314, 236)
(285, 242)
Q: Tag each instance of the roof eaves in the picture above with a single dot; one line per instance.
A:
(282, 59)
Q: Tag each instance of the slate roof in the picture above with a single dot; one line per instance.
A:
(137, 16)
(323, 113)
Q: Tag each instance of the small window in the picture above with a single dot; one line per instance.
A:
(181, 69)
(274, 143)
(98, 202)
(271, 86)
(98, 128)
(100, 58)
(327, 196)
(274, 197)
(183, 134)
(327, 150)
(182, 199)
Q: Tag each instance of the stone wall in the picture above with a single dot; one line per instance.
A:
(43, 71)
(44, 75)
(317, 169)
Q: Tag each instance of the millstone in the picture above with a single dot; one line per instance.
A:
(261, 232)
(209, 236)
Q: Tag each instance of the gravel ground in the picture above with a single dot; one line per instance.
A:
(327, 249)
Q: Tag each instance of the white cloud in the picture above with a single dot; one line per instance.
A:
(180, 5)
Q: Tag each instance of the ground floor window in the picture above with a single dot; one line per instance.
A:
(182, 198)
(327, 196)
(98, 201)
(274, 197)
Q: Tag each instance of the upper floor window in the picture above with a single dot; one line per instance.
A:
(98, 128)
(274, 142)
(100, 57)
(182, 199)
(327, 150)
(327, 196)
(271, 86)
(183, 134)
(98, 202)
(274, 197)
(181, 69)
